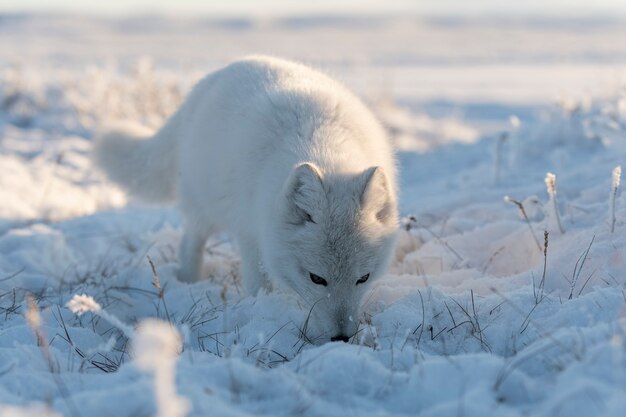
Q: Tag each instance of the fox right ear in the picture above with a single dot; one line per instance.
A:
(305, 194)
(376, 196)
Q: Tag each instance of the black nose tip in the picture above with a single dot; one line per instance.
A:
(341, 338)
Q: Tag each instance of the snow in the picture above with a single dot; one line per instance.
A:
(475, 316)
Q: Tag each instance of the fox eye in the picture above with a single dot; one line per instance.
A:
(317, 279)
(363, 279)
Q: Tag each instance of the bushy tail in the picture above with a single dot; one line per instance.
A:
(143, 163)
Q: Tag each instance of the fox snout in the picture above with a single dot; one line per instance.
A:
(347, 329)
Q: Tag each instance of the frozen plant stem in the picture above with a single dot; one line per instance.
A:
(33, 318)
(617, 175)
(551, 187)
(80, 304)
(542, 284)
(156, 282)
(520, 206)
(156, 346)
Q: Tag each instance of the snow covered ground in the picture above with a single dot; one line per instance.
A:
(475, 318)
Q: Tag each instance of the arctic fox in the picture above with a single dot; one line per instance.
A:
(292, 164)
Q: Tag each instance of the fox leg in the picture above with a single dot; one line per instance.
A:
(190, 253)
(253, 277)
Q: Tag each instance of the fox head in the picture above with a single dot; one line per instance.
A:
(334, 239)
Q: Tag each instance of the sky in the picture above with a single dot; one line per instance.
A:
(281, 7)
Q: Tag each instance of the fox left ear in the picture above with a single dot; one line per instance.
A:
(376, 196)
(305, 194)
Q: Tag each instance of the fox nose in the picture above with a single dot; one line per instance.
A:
(340, 337)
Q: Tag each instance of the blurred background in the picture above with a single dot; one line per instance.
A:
(449, 70)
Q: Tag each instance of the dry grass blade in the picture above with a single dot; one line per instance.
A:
(156, 282)
(421, 326)
(578, 267)
(13, 275)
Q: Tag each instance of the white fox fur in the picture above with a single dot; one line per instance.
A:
(292, 164)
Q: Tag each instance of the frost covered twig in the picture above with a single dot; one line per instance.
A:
(413, 220)
(80, 304)
(617, 174)
(156, 346)
(519, 205)
(551, 187)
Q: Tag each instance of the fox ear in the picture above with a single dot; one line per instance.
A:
(376, 196)
(305, 194)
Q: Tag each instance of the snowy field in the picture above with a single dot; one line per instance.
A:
(476, 317)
